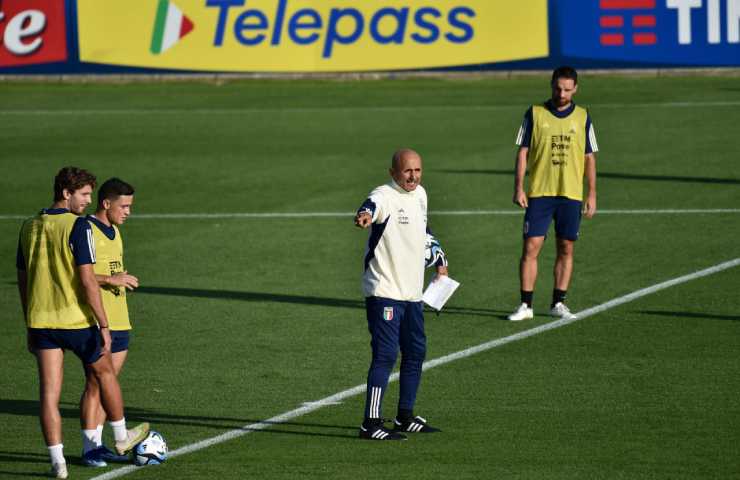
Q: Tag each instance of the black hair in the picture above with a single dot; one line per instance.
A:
(71, 179)
(113, 188)
(564, 72)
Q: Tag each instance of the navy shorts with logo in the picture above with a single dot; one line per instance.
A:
(541, 210)
(84, 342)
(119, 340)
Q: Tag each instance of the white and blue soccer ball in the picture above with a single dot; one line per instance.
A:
(151, 451)
(433, 252)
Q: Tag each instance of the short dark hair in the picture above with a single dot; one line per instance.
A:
(113, 188)
(71, 179)
(564, 72)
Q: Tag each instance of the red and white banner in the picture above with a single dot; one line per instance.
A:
(32, 32)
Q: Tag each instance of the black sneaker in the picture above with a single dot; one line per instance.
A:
(376, 431)
(413, 424)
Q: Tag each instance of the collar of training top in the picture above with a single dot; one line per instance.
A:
(54, 211)
(399, 188)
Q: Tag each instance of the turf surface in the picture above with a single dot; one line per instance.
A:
(241, 319)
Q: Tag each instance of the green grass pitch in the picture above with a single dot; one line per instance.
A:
(242, 319)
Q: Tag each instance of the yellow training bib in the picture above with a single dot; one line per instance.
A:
(556, 159)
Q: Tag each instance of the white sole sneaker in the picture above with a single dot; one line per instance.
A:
(58, 470)
(133, 436)
(522, 313)
(560, 310)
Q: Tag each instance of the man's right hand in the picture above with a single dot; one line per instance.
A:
(105, 335)
(520, 198)
(363, 220)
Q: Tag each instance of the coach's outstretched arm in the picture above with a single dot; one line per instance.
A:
(364, 215)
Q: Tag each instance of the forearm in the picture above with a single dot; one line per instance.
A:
(22, 290)
(92, 294)
(591, 173)
(103, 280)
(520, 168)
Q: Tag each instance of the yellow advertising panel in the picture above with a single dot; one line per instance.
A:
(309, 35)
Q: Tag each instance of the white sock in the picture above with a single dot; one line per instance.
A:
(57, 454)
(119, 430)
(88, 440)
(99, 436)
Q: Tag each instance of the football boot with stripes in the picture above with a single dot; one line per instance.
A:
(374, 430)
(413, 424)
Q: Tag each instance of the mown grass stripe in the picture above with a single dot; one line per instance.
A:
(309, 407)
(246, 215)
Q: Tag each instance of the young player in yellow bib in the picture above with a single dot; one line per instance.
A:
(557, 144)
(115, 198)
(63, 310)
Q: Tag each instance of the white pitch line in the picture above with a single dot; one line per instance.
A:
(227, 215)
(309, 407)
(386, 108)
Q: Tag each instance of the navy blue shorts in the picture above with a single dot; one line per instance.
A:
(119, 340)
(541, 210)
(84, 342)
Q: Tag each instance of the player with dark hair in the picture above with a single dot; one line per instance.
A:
(557, 144)
(63, 310)
(115, 198)
(392, 282)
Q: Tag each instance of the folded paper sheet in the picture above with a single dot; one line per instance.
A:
(439, 291)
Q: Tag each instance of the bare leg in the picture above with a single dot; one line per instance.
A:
(118, 358)
(563, 263)
(110, 390)
(528, 263)
(51, 374)
(90, 401)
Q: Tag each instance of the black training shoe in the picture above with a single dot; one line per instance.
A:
(413, 424)
(376, 431)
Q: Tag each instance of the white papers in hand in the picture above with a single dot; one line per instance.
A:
(439, 291)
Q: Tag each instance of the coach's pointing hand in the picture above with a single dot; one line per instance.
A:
(363, 220)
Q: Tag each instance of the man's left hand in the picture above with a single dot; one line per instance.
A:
(442, 270)
(589, 208)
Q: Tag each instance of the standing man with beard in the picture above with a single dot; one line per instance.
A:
(393, 281)
(557, 144)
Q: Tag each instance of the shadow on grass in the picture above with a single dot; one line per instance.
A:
(252, 296)
(295, 299)
(24, 457)
(135, 415)
(711, 316)
(612, 175)
(6, 474)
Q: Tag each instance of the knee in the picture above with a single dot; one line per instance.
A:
(385, 359)
(530, 252)
(565, 250)
(415, 353)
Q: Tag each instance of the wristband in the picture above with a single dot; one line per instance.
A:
(102, 327)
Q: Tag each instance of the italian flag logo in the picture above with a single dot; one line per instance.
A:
(169, 27)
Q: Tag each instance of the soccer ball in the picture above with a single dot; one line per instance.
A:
(432, 251)
(151, 451)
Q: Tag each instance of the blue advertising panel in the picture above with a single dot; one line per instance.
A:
(649, 32)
